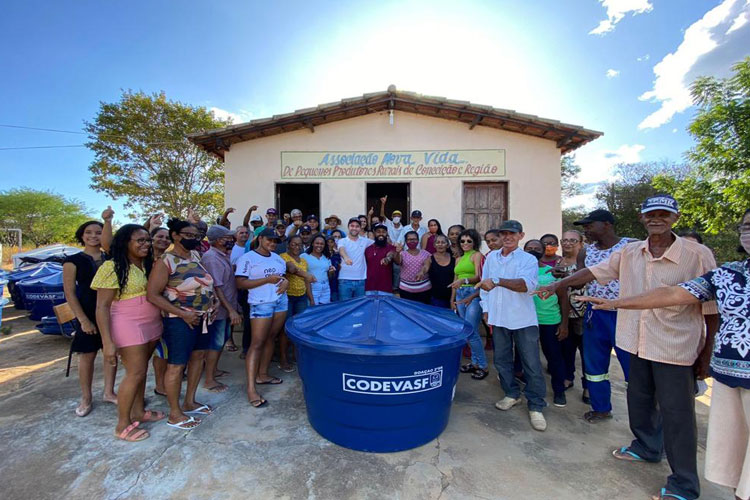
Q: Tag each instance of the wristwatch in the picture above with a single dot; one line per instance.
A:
(496, 281)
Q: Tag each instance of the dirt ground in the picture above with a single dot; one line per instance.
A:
(240, 452)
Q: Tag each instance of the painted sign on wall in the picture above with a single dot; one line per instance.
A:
(473, 163)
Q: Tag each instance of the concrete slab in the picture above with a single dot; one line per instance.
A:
(272, 452)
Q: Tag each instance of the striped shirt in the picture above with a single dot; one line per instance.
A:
(674, 334)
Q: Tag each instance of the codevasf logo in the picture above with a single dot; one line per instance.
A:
(420, 381)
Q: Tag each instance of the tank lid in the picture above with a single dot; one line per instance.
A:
(378, 324)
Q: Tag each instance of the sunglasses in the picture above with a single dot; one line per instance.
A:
(467, 241)
(189, 235)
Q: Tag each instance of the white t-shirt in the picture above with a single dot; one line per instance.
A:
(237, 252)
(255, 266)
(355, 250)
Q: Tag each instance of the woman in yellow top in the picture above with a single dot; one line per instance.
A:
(299, 292)
(129, 324)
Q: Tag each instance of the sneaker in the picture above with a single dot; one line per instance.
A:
(507, 403)
(538, 423)
(560, 400)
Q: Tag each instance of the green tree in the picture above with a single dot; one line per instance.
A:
(569, 171)
(716, 196)
(142, 154)
(43, 216)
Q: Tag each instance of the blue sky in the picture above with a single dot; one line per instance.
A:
(618, 66)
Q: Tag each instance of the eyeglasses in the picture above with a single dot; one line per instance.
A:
(743, 228)
(189, 235)
(569, 240)
(141, 241)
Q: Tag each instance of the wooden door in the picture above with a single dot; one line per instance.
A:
(485, 205)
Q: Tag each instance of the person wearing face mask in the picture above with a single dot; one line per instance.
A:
(183, 289)
(379, 258)
(552, 314)
(727, 445)
(216, 261)
(550, 244)
(394, 225)
(667, 347)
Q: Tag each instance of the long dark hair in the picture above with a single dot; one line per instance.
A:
(440, 229)
(119, 252)
(471, 233)
(326, 253)
(82, 228)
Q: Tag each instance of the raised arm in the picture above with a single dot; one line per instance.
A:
(246, 219)
(106, 238)
(383, 201)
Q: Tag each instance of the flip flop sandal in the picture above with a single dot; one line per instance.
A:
(257, 403)
(467, 368)
(201, 410)
(152, 416)
(217, 388)
(82, 412)
(287, 369)
(185, 424)
(270, 381)
(625, 454)
(138, 435)
(479, 374)
(232, 348)
(592, 417)
(221, 373)
(665, 494)
(162, 394)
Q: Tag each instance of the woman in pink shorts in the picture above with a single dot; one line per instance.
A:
(129, 324)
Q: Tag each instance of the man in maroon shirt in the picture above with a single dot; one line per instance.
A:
(379, 258)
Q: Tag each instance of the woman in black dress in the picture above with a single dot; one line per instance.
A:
(78, 271)
(441, 272)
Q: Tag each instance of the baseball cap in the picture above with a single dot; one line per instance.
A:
(512, 226)
(280, 223)
(271, 211)
(269, 233)
(599, 215)
(660, 202)
(354, 219)
(296, 212)
(379, 226)
(305, 229)
(397, 212)
(416, 213)
(312, 217)
(217, 232)
(256, 218)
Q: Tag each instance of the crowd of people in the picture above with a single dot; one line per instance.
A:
(174, 294)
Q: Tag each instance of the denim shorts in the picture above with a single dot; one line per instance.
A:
(268, 309)
(219, 331)
(181, 339)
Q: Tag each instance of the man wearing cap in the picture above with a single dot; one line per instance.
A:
(271, 218)
(511, 276)
(395, 228)
(416, 219)
(353, 271)
(295, 224)
(281, 233)
(256, 222)
(306, 234)
(663, 344)
(599, 326)
(379, 258)
(216, 261)
(312, 221)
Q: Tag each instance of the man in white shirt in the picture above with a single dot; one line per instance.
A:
(393, 224)
(511, 276)
(296, 224)
(353, 271)
(238, 250)
(416, 219)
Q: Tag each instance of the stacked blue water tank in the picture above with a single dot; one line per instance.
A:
(40, 294)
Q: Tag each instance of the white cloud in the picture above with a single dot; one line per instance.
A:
(612, 73)
(596, 167)
(674, 130)
(710, 47)
(616, 11)
(643, 58)
(240, 117)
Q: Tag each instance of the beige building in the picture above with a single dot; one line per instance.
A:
(455, 161)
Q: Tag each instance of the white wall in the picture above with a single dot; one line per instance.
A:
(532, 168)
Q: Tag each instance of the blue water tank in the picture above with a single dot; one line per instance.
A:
(33, 271)
(40, 294)
(378, 372)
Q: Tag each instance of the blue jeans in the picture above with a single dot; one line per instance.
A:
(472, 314)
(297, 304)
(219, 331)
(351, 289)
(527, 343)
(552, 350)
(598, 341)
